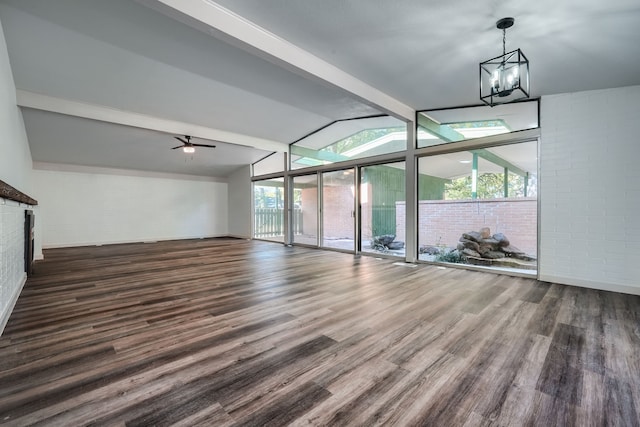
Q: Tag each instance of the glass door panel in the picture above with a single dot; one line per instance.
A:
(268, 209)
(383, 204)
(338, 219)
(305, 210)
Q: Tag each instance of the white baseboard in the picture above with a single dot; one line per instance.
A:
(238, 236)
(120, 242)
(625, 289)
(4, 317)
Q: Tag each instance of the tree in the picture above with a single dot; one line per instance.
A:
(490, 186)
(359, 139)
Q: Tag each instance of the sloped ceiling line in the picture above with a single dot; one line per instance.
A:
(228, 26)
(111, 115)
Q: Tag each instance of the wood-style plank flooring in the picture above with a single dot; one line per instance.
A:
(224, 332)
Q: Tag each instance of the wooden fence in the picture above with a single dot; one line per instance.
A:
(269, 222)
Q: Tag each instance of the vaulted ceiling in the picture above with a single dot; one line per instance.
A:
(109, 83)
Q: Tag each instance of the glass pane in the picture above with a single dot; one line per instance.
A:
(382, 201)
(338, 214)
(305, 209)
(270, 164)
(350, 139)
(458, 124)
(480, 207)
(268, 215)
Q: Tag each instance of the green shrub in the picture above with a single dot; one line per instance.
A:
(451, 256)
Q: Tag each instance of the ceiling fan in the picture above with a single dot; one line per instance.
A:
(189, 147)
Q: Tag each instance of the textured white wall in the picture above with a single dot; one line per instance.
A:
(79, 208)
(589, 189)
(240, 209)
(15, 170)
(12, 275)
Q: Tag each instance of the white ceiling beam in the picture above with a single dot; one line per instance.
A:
(222, 23)
(127, 118)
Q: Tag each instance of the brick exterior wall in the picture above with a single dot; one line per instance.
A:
(443, 221)
(338, 217)
(338, 220)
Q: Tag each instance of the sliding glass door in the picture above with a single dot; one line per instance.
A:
(305, 207)
(382, 202)
(268, 209)
(338, 209)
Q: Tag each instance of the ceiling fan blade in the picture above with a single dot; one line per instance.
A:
(181, 140)
(179, 146)
(204, 145)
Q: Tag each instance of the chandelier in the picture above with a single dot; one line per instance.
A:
(505, 78)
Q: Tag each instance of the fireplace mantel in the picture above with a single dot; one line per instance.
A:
(10, 193)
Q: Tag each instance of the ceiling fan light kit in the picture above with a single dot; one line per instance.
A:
(505, 78)
(187, 146)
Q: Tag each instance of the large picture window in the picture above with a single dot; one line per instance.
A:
(451, 125)
(479, 207)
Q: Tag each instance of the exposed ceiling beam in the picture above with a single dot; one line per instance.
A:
(443, 132)
(222, 23)
(111, 115)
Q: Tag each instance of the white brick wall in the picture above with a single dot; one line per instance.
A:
(590, 189)
(12, 275)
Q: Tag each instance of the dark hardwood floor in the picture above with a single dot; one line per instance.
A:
(231, 332)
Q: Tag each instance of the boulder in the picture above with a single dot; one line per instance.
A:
(384, 239)
(485, 232)
(484, 248)
(479, 261)
(493, 255)
(490, 241)
(473, 235)
(524, 257)
(470, 253)
(430, 250)
(502, 239)
(395, 245)
(511, 250)
(466, 243)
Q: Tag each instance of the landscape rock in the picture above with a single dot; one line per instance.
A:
(490, 241)
(470, 253)
(430, 250)
(511, 250)
(479, 261)
(485, 232)
(481, 248)
(384, 239)
(523, 257)
(466, 243)
(395, 245)
(473, 235)
(493, 255)
(502, 239)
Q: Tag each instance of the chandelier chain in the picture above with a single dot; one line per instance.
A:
(504, 41)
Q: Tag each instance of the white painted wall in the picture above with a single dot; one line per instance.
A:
(589, 189)
(15, 157)
(89, 206)
(240, 208)
(15, 170)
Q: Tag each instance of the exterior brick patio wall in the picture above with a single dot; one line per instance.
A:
(443, 221)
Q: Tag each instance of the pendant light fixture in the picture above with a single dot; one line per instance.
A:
(505, 78)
